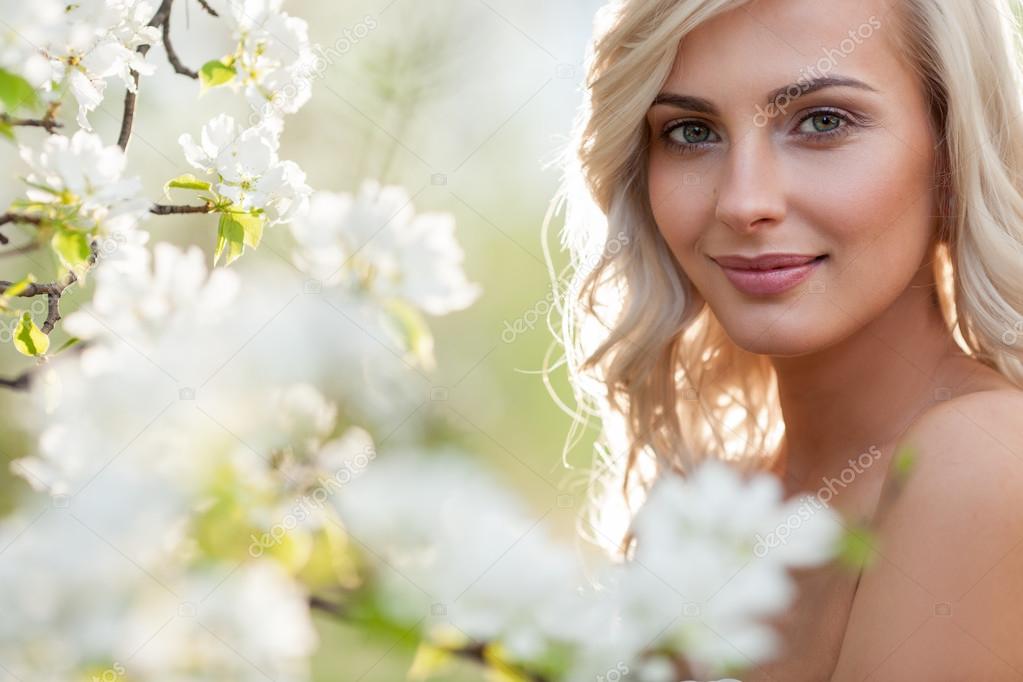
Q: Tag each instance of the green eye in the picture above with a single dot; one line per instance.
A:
(823, 122)
(700, 135)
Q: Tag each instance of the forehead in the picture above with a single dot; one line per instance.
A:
(768, 43)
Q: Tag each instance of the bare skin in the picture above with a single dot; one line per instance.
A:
(865, 360)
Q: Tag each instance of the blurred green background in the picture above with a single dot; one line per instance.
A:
(462, 102)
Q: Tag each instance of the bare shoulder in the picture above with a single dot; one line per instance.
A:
(941, 598)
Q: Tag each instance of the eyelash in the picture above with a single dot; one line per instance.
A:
(691, 147)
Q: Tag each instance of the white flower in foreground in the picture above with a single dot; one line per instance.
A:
(24, 29)
(83, 179)
(273, 61)
(98, 41)
(718, 550)
(247, 624)
(376, 240)
(146, 302)
(246, 168)
(441, 530)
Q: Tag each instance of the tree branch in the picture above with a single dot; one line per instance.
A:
(129, 109)
(167, 209)
(19, 218)
(52, 291)
(47, 122)
(18, 383)
(172, 56)
(471, 652)
(209, 10)
(16, 218)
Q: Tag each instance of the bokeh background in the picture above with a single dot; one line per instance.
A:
(465, 103)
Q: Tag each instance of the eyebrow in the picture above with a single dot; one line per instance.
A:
(703, 106)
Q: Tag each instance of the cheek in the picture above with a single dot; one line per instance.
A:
(682, 205)
(876, 217)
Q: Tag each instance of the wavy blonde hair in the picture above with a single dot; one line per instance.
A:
(645, 354)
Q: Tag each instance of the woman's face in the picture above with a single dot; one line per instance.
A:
(845, 171)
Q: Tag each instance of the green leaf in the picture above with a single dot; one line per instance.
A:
(230, 234)
(73, 248)
(186, 181)
(903, 462)
(429, 661)
(856, 549)
(67, 344)
(238, 230)
(7, 130)
(28, 338)
(500, 669)
(15, 91)
(412, 329)
(18, 287)
(252, 226)
(215, 72)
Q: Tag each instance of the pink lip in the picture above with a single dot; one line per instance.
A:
(767, 275)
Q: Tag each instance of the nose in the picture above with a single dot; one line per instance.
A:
(751, 192)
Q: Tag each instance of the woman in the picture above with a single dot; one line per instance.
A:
(797, 232)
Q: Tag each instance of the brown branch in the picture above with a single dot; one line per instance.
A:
(25, 248)
(472, 652)
(209, 10)
(18, 383)
(47, 122)
(19, 218)
(167, 209)
(128, 116)
(23, 381)
(16, 218)
(172, 56)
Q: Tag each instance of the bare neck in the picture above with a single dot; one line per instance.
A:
(864, 390)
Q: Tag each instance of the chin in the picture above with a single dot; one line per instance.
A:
(777, 332)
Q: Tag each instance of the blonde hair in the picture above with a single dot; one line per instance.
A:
(644, 353)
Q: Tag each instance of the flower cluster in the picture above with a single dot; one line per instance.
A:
(441, 533)
(97, 41)
(77, 187)
(273, 61)
(246, 168)
(25, 27)
(376, 241)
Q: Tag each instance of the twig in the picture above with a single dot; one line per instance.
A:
(209, 10)
(16, 218)
(167, 209)
(47, 122)
(472, 652)
(53, 291)
(25, 248)
(129, 98)
(172, 56)
(18, 383)
(19, 218)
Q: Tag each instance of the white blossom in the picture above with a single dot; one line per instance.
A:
(25, 28)
(377, 241)
(98, 41)
(83, 178)
(246, 168)
(703, 551)
(159, 297)
(246, 623)
(442, 531)
(273, 60)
